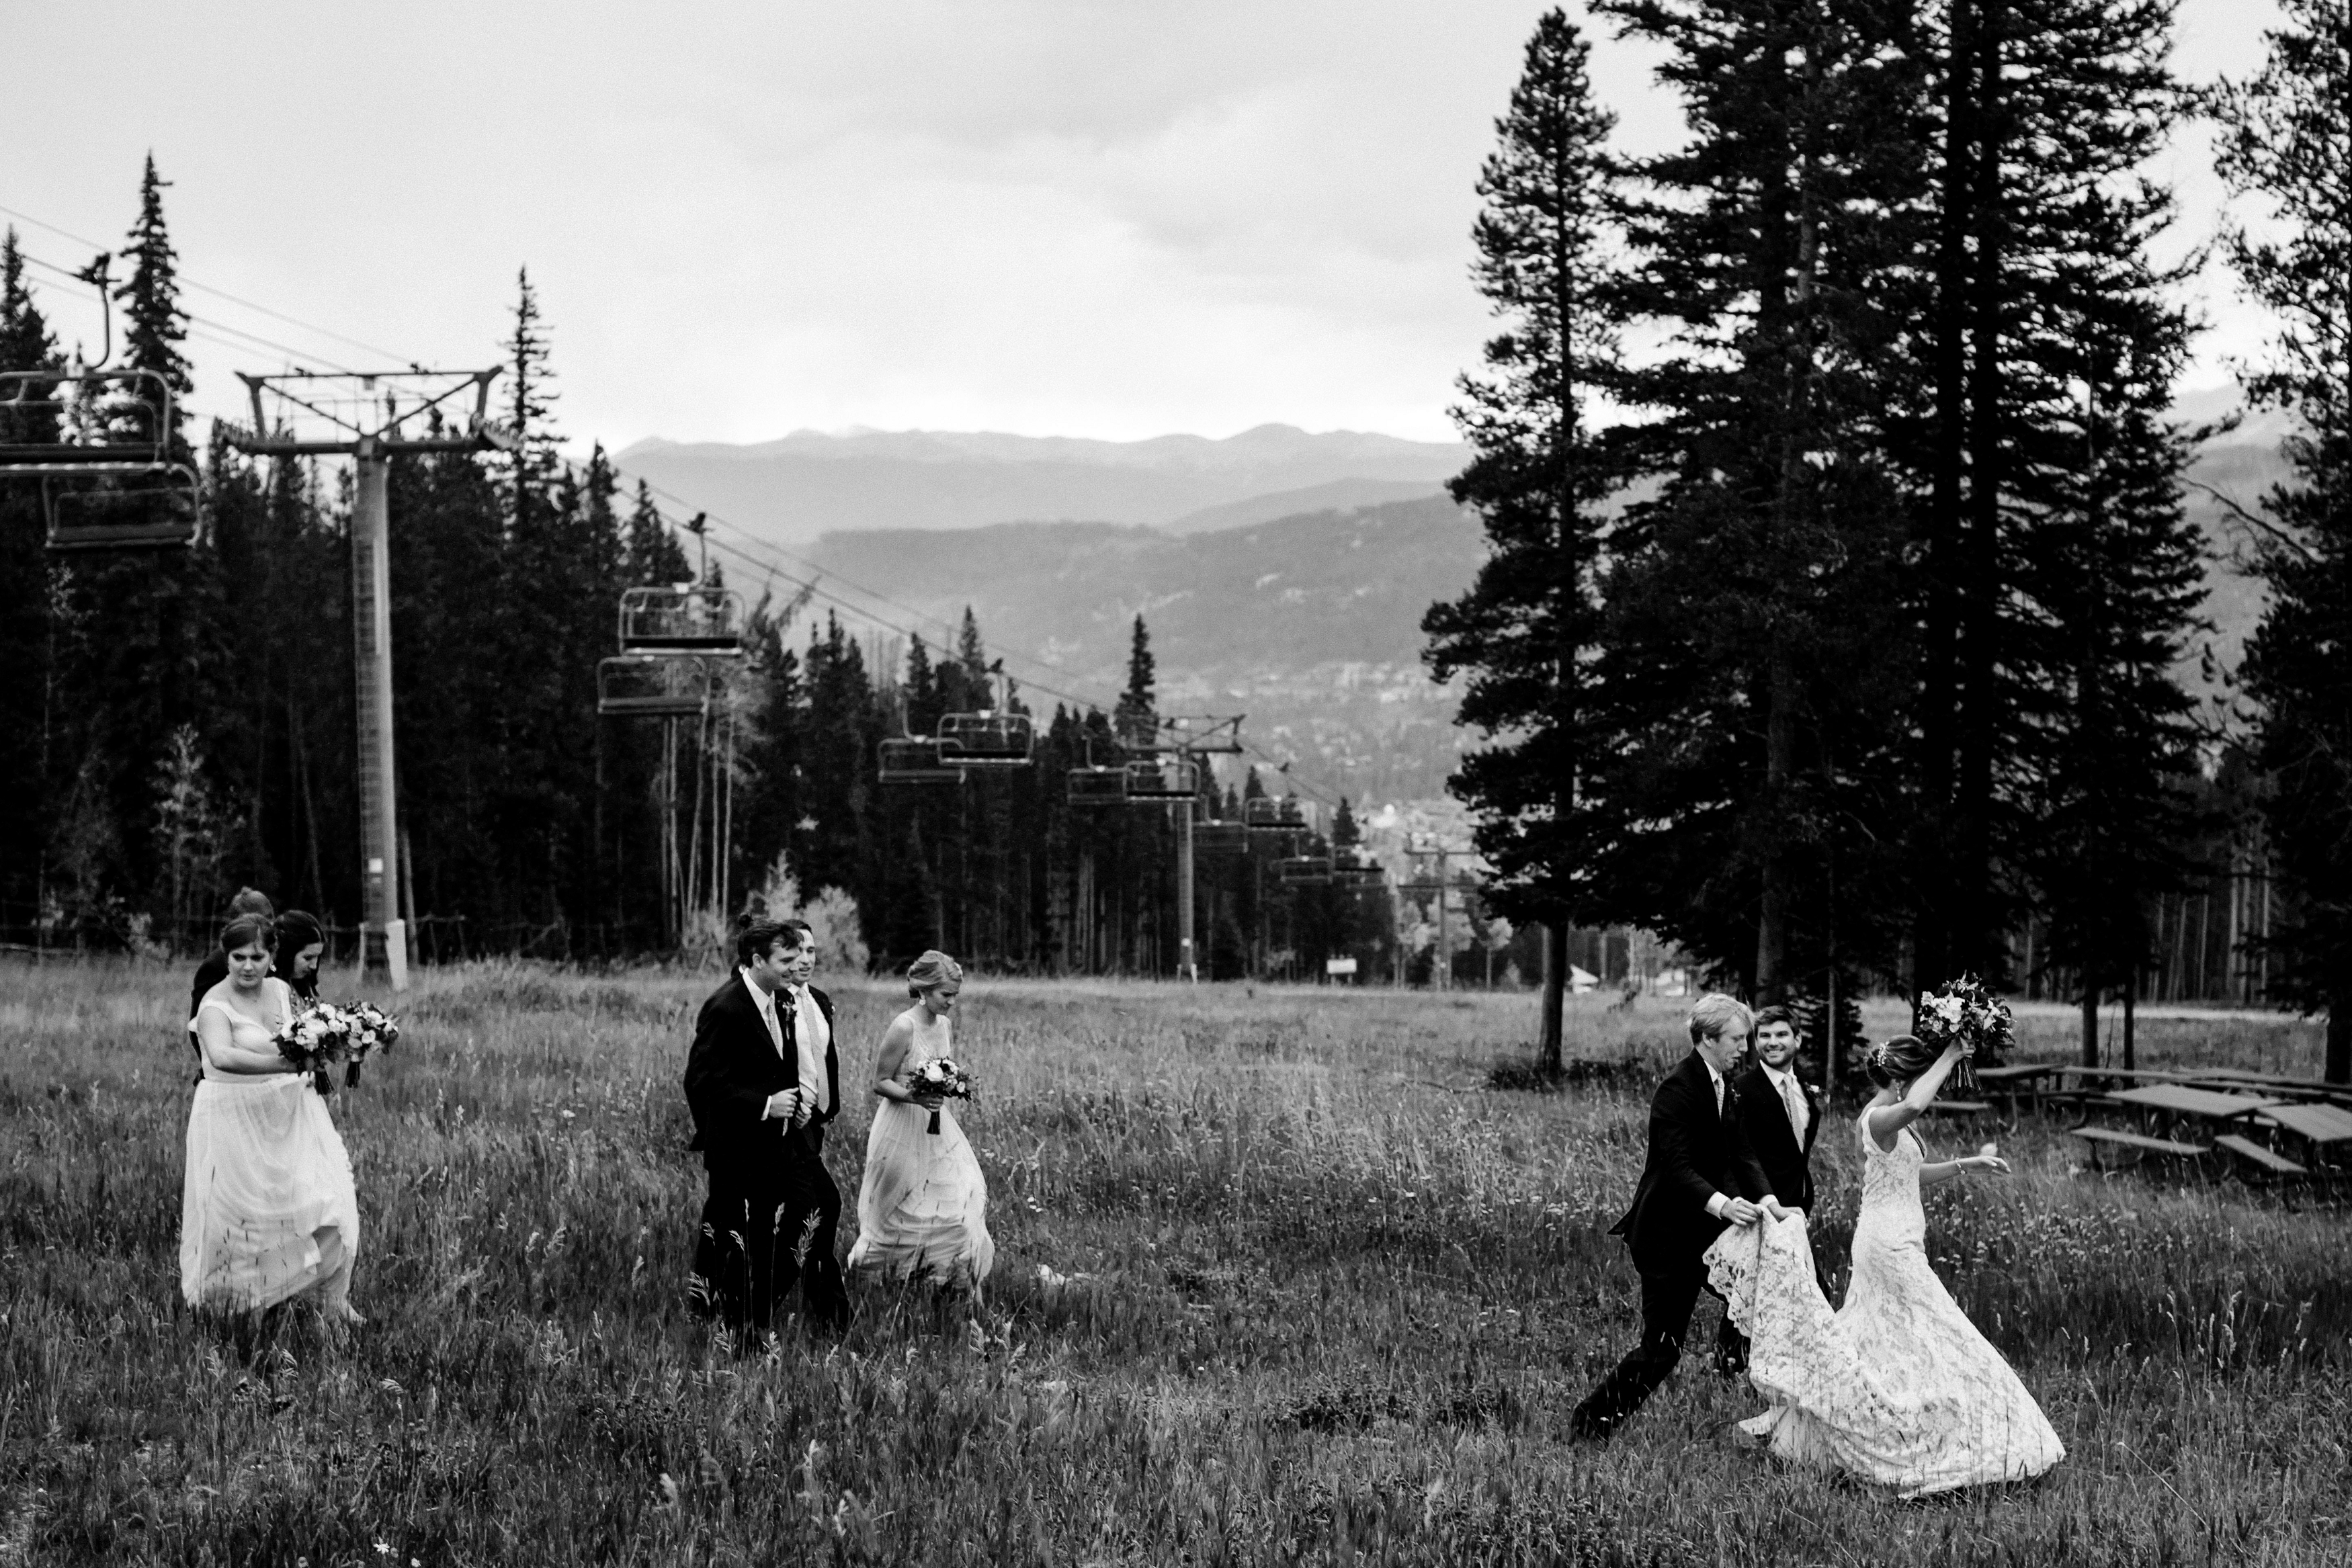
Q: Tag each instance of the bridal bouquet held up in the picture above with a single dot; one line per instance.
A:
(1966, 1012)
(324, 1033)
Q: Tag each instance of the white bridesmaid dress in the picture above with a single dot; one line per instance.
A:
(268, 1209)
(922, 1206)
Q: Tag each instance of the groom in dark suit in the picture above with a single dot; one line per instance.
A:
(762, 1081)
(1781, 1115)
(1700, 1177)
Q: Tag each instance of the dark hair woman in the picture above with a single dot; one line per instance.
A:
(267, 1210)
(301, 943)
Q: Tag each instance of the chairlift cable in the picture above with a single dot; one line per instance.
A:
(307, 358)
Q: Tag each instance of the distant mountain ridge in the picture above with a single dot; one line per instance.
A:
(810, 483)
(1293, 593)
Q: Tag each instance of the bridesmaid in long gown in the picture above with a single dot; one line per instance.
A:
(922, 1206)
(267, 1211)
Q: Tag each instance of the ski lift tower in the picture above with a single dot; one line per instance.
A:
(371, 418)
(1169, 751)
(1420, 850)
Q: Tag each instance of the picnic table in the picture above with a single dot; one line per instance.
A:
(2317, 1126)
(2017, 1081)
(2187, 1100)
(2164, 1107)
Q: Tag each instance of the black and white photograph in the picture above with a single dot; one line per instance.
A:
(1100, 783)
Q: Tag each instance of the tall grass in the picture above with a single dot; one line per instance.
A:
(1316, 1296)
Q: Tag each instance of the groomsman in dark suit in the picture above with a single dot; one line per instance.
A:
(1699, 1177)
(1781, 1115)
(762, 1089)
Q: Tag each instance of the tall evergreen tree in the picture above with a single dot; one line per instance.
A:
(2045, 113)
(530, 408)
(2286, 138)
(1139, 703)
(1537, 480)
(154, 325)
(1754, 647)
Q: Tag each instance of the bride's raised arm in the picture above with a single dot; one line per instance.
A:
(1886, 1120)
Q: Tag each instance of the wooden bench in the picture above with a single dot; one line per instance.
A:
(2263, 1159)
(2139, 1143)
(1958, 1107)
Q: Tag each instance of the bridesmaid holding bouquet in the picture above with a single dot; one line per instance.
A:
(922, 1206)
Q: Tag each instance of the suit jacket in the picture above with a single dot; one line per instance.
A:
(732, 1069)
(1694, 1153)
(1788, 1165)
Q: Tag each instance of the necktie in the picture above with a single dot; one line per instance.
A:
(1794, 1099)
(1719, 1093)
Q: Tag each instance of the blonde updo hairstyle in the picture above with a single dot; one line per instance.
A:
(1891, 1063)
(930, 971)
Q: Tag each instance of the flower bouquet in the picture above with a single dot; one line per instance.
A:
(323, 1034)
(936, 1079)
(1965, 1011)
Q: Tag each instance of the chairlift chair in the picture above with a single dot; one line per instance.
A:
(683, 620)
(1304, 871)
(989, 738)
(1357, 876)
(917, 759)
(109, 416)
(638, 685)
(1161, 779)
(107, 481)
(157, 508)
(1219, 837)
(1098, 787)
(1266, 814)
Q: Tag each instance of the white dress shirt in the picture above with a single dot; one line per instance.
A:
(1721, 1200)
(812, 1034)
(1793, 1099)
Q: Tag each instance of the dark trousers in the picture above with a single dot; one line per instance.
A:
(1668, 1298)
(765, 1230)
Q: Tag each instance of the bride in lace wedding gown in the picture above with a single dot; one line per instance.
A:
(1898, 1386)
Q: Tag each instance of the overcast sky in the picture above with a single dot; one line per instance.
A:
(1114, 218)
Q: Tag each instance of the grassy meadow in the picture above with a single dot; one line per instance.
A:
(1317, 1295)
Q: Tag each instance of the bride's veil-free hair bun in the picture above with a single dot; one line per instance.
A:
(1893, 1063)
(933, 969)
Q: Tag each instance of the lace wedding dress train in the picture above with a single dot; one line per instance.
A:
(1898, 1386)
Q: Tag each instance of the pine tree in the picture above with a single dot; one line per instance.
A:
(154, 325)
(654, 555)
(530, 407)
(1139, 703)
(2045, 113)
(2284, 138)
(1754, 647)
(1537, 479)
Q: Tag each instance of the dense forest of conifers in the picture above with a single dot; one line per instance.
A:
(1839, 593)
(181, 723)
(1840, 584)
